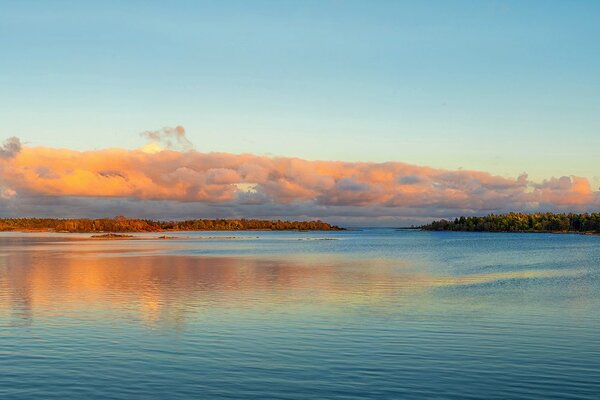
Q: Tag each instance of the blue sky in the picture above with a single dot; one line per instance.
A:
(500, 86)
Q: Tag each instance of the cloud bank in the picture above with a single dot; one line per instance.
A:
(168, 179)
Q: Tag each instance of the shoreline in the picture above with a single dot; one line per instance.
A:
(132, 225)
(168, 230)
(591, 233)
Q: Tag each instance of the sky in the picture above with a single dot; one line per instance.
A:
(507, 89)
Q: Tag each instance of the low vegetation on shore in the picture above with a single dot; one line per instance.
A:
(123, 224)
(521, 222)
(112, 236)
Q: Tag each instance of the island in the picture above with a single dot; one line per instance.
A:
(123, 224)
(587, 223)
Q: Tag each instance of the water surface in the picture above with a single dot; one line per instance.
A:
(369, 314)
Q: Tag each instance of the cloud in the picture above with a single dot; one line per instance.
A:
(167, 138)
(182, 183)
(10, 148)
(7, 193)
(409, 180)
(566, 190)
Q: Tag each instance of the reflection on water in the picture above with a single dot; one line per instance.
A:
(374, 314)
(166, 290)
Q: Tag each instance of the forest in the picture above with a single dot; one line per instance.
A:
(521, 222)
(123, 224)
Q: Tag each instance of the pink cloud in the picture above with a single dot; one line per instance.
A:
(190, 176)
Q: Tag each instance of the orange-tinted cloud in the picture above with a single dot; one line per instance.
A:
(247, 180)
(566, 191)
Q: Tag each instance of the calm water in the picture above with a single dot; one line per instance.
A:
(373, 314)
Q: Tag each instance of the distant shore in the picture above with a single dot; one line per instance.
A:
(583, 224)
(129, 225)
(547, 232)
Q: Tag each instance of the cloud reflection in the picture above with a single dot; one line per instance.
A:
(166, 290)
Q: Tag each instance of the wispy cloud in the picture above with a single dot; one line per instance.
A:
(10, 148)
(167, 138)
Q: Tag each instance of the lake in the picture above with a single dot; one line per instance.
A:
(365, 314)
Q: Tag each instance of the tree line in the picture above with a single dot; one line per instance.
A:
(123, 224)
(521, 222)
